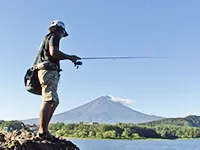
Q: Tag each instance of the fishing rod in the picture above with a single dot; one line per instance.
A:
(78, 63)
(118, 57)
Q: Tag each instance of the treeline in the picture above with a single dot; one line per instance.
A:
(117, 131)
(101, 131)
(11, 125)
(123, 131)
(189, 121)
(174, 132)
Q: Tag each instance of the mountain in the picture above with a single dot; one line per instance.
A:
(189, 121)
(105, 109)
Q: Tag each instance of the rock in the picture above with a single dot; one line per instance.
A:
(24, 140)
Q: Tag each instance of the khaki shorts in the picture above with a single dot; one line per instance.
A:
(49, 82)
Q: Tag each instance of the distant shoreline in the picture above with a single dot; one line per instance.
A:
(112, 132)
(142, 139)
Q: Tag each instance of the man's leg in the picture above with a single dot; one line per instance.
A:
(45, 111)
(51, 112)
(49, 81)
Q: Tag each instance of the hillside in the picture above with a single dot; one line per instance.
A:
(189, 121)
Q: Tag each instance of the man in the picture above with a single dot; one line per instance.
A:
(48, 64)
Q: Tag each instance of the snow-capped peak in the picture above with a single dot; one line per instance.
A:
(123, 101)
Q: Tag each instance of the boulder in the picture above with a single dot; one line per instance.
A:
(24, 140)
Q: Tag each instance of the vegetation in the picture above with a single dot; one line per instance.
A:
(190, 121)
(12, 125)
(172, 128)
(124, 131)
(101, 131)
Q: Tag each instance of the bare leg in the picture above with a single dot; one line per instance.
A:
(53, 108)
(44, 117)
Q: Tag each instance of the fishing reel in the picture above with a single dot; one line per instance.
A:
(77, 64)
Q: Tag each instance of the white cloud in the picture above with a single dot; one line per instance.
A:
(123, 101)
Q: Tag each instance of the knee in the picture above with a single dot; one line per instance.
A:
(53, 103)
(56, 103)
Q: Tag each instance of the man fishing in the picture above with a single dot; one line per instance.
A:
(48, 64)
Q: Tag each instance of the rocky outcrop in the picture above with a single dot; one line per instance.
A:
(24, 140)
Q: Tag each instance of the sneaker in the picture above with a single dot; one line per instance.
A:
(47, 136)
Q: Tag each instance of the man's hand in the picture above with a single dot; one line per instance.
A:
(74, 58)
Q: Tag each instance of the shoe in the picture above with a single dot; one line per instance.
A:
(47, 136)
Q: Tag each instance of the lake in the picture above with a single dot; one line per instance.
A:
(85, 144)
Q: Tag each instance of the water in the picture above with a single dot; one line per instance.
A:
(85, 144)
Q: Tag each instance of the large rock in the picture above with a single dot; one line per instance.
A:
(24, 140)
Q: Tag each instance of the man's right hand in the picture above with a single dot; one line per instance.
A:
(74, 58)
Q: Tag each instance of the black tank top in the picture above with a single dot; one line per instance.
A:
(43, 54)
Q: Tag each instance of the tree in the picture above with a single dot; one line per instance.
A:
(82, 134)
(126, 133)
(109, 134)
(135, 136)
(91, 134)
(99, 135)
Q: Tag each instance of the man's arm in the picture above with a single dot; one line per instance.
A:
(55, 52)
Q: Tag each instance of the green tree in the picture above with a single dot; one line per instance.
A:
(109, 134)
(135, 136)
(126, 133)
(91, 134)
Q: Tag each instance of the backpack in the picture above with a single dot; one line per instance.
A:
(31, 79)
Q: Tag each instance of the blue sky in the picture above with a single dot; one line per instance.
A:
(164, 87)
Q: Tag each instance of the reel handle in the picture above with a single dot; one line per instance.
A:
(77, 64)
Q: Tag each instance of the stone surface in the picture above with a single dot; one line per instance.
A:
(24, 140)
